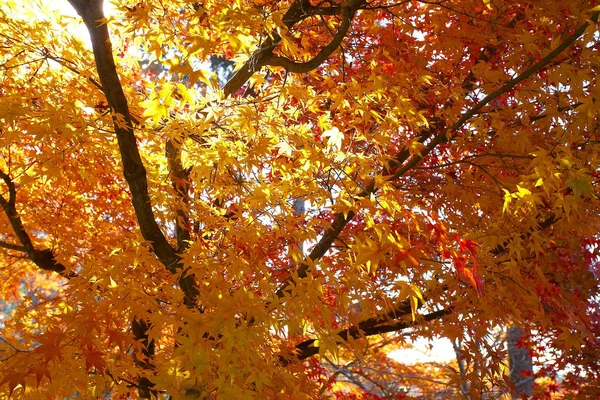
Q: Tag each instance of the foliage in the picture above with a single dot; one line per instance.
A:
(447, 153)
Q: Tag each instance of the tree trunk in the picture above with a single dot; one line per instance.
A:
(520, 364)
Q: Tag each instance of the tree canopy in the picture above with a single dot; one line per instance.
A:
(372, 171)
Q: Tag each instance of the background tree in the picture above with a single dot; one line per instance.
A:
(150, 243)
(520, 362)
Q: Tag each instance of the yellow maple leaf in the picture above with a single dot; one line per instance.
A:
(335, 138)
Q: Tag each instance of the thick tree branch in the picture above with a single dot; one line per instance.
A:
(292, 66)
(44, 259)
(448, 134)
(389, 322)
(545, 223)
(181, 183)
(133, 168)
(380, 324)
(139, 328)
(298, 11)
(308, 349)
(394, 164)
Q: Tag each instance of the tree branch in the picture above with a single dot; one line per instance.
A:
(547, 222)
(68, 65)
(447, 135)
(299, 10)
(308, 349)
(181, 184)
(292, 66)
(44, 259)
(11, 246)
(133, 168)
(139, 328)
(341, 220)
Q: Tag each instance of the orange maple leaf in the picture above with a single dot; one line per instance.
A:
(40, 371)
(14, 379)
(50, 344)
(94, 358)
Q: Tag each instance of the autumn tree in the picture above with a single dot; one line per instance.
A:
(446, 152)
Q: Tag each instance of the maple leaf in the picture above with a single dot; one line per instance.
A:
(40, 371)
(50, 344)
(415, 147)
(15, 380)
(580, 184)
(285, 149)
(369, 254)
(154, 108)
(335, 138)
(94, 359)
(474, 279)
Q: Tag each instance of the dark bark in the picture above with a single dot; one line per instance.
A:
(374, 326)
(133, 168)
(299, 10)
(43, 258)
